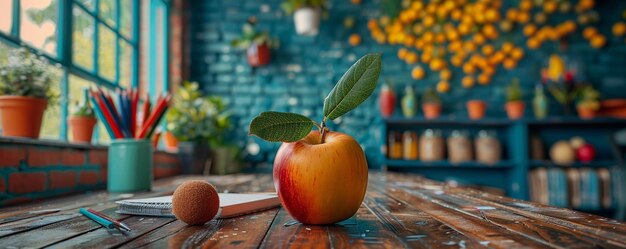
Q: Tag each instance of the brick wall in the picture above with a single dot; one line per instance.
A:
(30, 171)
(304, 69)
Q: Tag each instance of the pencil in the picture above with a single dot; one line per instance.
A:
(109, 118)
(115, 222)
(98, 112)
(152, 119)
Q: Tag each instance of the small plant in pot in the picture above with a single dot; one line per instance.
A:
(587, 101)
(514, 104)
(476, 109)
(82, 122)
(25, 90)
(431, 104)
(198, 122)
(306, 14)
(257, 44)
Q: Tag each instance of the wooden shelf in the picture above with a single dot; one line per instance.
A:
(449, 121)
(592, 164)
(445, 164)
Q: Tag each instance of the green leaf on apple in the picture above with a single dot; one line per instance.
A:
(354, 87)
(281, 126)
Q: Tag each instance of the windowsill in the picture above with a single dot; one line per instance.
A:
(60, 143)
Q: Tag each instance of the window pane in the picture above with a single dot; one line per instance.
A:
(39, 23)
(106, 53)
(82, 33)
(107, 11)
(6, 15)
(51, 124)
(89, 4)
(126, 64)
(126, 18)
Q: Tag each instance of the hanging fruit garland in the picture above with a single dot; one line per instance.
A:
(438, 34)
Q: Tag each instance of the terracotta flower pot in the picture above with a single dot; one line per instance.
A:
(431, 111)
(515, 109)
(585, 113)
(476, 109)
(258, 54)
(307, 21)
(171, 143)
(82, 128)
(21, 116)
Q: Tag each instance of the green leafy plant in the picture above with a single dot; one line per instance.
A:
(514, 91)
(26, 74)
(83, 110)
(252, 36)
(430, 96)
(290, 6)
(587, 97)
(354, 87)
(197, 118)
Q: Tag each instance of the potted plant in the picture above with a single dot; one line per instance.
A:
(257, 44)
(25, 89)
(306, 14)
(82, 122)
(514, 104)
(588, 101)
(199, 124)
(431, 104)
(476, 109)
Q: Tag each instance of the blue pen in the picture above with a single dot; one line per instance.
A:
(101, 221)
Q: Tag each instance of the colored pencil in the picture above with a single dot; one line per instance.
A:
(160, 115)
(152, 119)
(121, 109)
(98, 112)
(108, 101)
(108, 117)
(118, 224)
(146, 111)
(133, 111)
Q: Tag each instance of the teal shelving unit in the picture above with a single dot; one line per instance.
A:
(511, 173)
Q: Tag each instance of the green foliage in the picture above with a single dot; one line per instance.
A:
(430, 96)
(26, 74)
(197, 118)
(281, 126)
(290, 6)
(252, 36)
(514, 91)
(587, 97)
(83, 110)
(354, 87)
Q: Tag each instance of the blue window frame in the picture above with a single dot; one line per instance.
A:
(89, 42)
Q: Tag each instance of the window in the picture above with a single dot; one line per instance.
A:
(89, 43)
(155, 47)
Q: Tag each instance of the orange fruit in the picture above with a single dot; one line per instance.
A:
(523, 17)
(428, 21)
(456, 14)
(511, 14)
(619, 29)
(598, 41)
(354, 40)
(437, 64)
(372, 24)
(443, 87)
(465, 28)
(469, 68)
(550, 6)
(452, 35)
(419, 44)
(418, 73)
(509, 63)
(526, 5)
(479, 39)
(484, 79)
(411, 58)
(467, 81)
(445, 74)
(492, 15)
(529, 29)
(489, 71)
(428, 37)
(402, 53)
(496, 58)
(533, 43)
(490, 31)
(517, 53)
(469, 46)
(589, 32)
(426, 57)
(507, 47)
(440, 38)
(455, 46)
(456, 61)
(487, 50)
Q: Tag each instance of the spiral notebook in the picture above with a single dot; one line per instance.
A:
(231, 205)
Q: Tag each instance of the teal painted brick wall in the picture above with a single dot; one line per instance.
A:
(304, 69)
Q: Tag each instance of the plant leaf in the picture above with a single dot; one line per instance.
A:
(354, 87)
(281, 126)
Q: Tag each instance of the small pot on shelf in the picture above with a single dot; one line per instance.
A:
(82, 128)
(431, 110)
(476, 109)
(258, 54)
(21, 116)
(515, 109)
(307, 20)
(585, 112)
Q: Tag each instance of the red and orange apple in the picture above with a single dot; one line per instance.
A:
(321, 183)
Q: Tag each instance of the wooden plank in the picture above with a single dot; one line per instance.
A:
(416, 228)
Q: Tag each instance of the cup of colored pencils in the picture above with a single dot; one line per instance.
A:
(130, 152)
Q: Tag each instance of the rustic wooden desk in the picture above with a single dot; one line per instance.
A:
(399, 211)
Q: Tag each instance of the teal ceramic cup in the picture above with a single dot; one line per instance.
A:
(130, 166)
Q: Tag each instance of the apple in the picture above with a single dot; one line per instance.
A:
(586, 153)
(321, 183)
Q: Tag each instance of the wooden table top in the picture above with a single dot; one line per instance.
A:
(399, 211)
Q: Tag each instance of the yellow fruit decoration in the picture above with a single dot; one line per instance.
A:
(437, 64)
(418, 73)
(354, 40)
(529, 30)
(402, 52)
(556, 67)
(533, 43)
(619, 29)
(428, 21)
(523, 17)
(490, 31)
(457, 61)
(517, 54)
(478, 39)
(487, 50)
(497, 58)
(411, 58)
(509, 63)
(507, 47)
(467, 81)
(598, 41)
(445, 74)
(426, 57)
(550, 6)
(511, 15)
(484, 79)
(492, 15)
(443, 87)
(589, 32)
(526, 5)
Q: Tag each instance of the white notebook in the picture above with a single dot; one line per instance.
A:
(230, 205)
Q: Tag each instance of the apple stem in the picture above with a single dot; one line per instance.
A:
(323, 131)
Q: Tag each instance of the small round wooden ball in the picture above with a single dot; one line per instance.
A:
(195, 202)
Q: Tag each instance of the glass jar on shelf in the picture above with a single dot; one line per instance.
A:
(459, 146)
(409, 145)
(394, 145)
(488, 148)
(431, 146)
